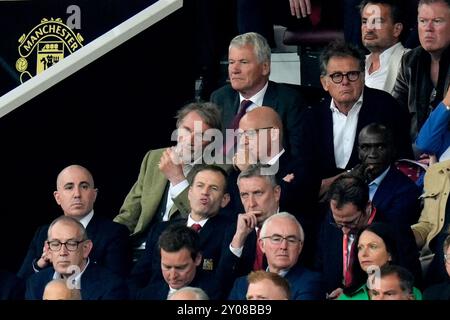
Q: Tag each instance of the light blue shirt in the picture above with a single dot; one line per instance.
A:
(373, 186)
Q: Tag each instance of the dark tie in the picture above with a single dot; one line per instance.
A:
(258, 263)
(242, 109)
(196, 227)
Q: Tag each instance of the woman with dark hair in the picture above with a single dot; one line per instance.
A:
(376, 246)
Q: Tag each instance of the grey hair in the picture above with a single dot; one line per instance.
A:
(198, 292)
(260, 46)
(282, 215)
(254, 170)
(209, 112)
(69, 220)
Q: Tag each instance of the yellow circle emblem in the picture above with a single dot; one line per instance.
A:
(21, 64)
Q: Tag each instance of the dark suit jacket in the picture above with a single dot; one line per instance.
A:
(305, 285)
(378, 106)
(329, 256)
(397, 198)
(287, 102)
(111, 247)
(97, 283)
(11, 287)
(212, 241)
(438, 292)
(158, 289)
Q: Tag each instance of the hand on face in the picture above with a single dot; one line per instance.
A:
(171, 166)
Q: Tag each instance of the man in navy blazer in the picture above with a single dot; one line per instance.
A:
(395, 196)
(207, 195)
(180, 261)
(76, 195)
(249, 70)
(350, 107)
(281, 240)
(350, 210)
(68, 248)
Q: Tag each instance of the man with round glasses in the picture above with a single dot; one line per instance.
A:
(68, 249)
(76, 194)
(350, 107)
(281, 240)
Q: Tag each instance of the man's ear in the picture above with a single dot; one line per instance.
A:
(57, 197)
(324, 83)
(266, 68)
(87, 247)
(225, 200)
(261, 245)
(398, 28)
(198, 259)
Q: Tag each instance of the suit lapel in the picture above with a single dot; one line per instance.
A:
(270, 97)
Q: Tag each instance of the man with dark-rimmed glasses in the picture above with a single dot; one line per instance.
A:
(281, 240)
(68, 249)
(349, 211)
(350, 107)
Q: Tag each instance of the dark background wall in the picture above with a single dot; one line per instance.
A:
(105, 117)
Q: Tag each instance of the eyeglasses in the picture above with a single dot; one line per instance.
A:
(71, 245)
(352, 225)
(277, 239)
(251, 133)
(337, 77)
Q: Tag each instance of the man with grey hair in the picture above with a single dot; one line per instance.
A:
(281, 240)
(188, 293)
(161, 190)
(249, 70)
(68, 249)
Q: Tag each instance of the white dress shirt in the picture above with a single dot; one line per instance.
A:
(344, 132)
(257, 99)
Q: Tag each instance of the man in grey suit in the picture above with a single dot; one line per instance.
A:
(249, 88)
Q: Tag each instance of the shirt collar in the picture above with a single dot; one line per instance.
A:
(384, 56)
(380, 178)
(87, 218)
(354, 110)
(191, 221)
(258, 97)
(76, 281)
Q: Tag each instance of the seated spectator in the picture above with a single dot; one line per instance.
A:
(376, 247)
(249, 70)
(396, 283)
(423, 77)
(180, 261)
(434, 222)
(207, 195)
(441, 291)
(382, 25)
(68, 249)
(188, 293)
(76, 194)
(58, 289)
(160, 192)
(351, 106)
(434, 136)
(281, 240)
(11, 287)
(395, 196)
(260, 141)
(350, 211)
(264, 285)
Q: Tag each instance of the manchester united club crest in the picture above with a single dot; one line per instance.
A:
(45, 45)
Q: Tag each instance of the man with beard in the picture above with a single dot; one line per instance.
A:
(381, 29)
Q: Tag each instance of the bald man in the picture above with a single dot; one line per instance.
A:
(76, 194)
(59, 290)
(261, 141)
